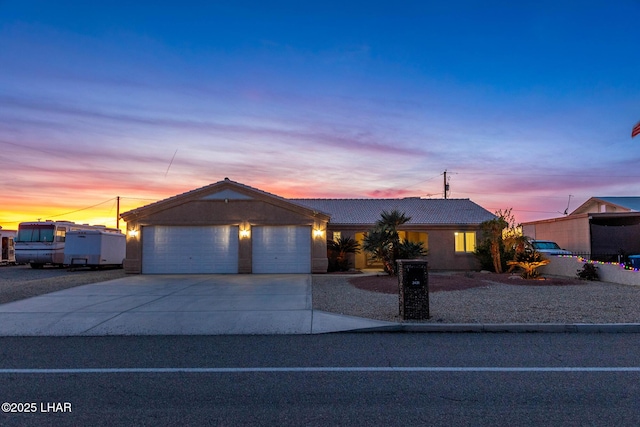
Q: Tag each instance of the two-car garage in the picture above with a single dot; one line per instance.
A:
(215, 249)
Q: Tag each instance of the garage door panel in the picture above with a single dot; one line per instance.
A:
(197, 250)
(281, 249)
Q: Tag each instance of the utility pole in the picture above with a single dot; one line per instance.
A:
(118, 212)
(446, 185)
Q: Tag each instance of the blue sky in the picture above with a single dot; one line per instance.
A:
(523, 103)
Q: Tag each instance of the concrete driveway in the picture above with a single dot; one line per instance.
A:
(178, 305)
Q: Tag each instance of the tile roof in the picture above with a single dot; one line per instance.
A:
(421, 211)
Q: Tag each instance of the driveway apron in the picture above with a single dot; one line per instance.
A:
(178, 305)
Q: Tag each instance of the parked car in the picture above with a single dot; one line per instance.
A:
(548, 247)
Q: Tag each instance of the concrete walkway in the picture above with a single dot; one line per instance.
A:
(178, 305)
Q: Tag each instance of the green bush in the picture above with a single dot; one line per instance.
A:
(483, 254)
(588, 272)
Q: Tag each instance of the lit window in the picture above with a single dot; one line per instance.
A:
(465, 241)
(337, 235)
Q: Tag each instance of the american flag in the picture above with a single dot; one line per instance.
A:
(636, 130)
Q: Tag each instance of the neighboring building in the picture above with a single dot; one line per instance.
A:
(228, 227)
(602, 228)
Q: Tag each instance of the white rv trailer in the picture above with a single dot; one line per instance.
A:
(94, 248)
(42, 243)
(8, 247)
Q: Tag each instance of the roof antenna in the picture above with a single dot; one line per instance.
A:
(566, 211)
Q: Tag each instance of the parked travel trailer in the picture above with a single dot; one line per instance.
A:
(94, 248)
(8, 246)
(42, 243)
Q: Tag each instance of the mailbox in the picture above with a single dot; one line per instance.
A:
(413, 287)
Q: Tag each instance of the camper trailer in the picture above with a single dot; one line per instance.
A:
(43, 242)
(94, 248)
(8, 249)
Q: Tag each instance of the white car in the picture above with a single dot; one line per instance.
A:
(548, 247)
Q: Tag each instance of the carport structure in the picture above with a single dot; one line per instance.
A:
(226, 227)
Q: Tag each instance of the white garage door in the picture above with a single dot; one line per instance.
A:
(197, 250)
(281, 249)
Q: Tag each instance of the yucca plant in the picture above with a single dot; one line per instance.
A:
(529, 260)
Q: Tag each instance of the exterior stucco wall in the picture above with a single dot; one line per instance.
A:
(569, 267)
(442, 254)
(220, 212)
(440, 243)
(242, 213)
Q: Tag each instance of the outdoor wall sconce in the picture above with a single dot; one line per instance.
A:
(133, 233)
(245, 232)
(318, 232)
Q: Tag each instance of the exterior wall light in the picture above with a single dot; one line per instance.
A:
(318, 232)
(133, 233)
(245, 233)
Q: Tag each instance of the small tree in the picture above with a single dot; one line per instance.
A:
(501, 238)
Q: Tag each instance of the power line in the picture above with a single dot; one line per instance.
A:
(83, 209)
(136, 198)
(547, 174)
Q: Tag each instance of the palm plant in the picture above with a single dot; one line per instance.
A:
(338, 251)
(409, 250)
(383, 240)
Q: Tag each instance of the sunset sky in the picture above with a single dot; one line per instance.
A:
(523, 103)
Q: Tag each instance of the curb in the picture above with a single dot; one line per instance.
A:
(508, 327)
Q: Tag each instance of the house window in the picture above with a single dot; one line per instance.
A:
(337, 235)
(465, 241)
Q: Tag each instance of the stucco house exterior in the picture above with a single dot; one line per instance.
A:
(448, 228)
(602, 228)
(229, 227)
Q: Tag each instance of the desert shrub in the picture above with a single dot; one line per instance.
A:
(588, 272)
(528, 261)
(484, 256)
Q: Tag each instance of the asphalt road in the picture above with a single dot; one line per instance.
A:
(340, 379)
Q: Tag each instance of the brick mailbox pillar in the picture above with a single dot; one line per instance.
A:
(413, 284)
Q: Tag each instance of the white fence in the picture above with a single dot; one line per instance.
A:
(569, 266)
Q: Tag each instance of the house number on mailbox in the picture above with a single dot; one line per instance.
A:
(415, 276)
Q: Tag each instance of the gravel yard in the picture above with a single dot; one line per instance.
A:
(454, 297)
(21, 281)
(483, 298)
